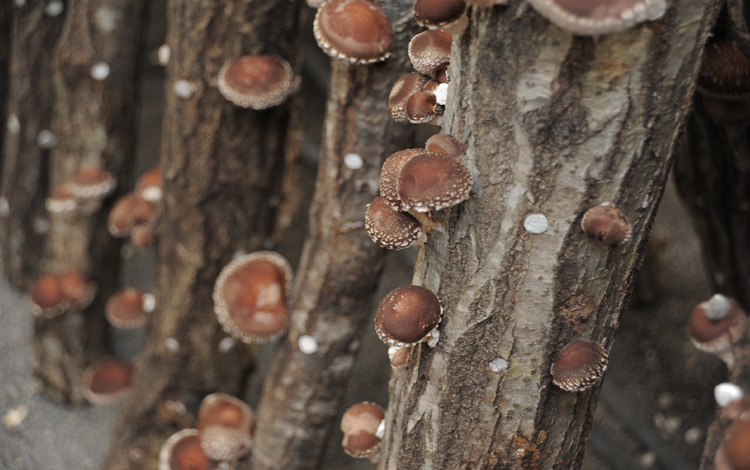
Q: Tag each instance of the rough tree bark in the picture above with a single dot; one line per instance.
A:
(340, 265)
(94, 125)
(572, 122)
(25, 163)
(6, 15)
(222, 165)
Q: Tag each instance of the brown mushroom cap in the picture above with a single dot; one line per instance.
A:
(445, 144)
(129, 211)
(251, 296)
(402, 90)
(47, 297)
(390, 173)
(92, 183)
(716, 324)
(257, 82)
(407, 315)
(726, 112)
(226, 425)
(607, 224)
(360, 424)
(579, 365)
(592, 17)
(182, 451)
(422, 107)
(736, 446)
(389, 228)
(432, 182)
(106, 382)
(143, 236)
(725, 72)
(443, 14)
(61, 201)
(127, 309)
(149, 185)
(77, 289)
(398, 356)
(430, 50)
(355, 31)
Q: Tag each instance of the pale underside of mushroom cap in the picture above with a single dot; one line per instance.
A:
(592, 17)
(268, 318)
(355, 31)
(579, 365)
(433, 182)
(257, 82)
(391, 229)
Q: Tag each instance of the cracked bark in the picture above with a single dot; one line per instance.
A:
(573, 122)
(340, 265)
(221, 166)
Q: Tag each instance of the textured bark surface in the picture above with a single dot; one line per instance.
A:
(222, 165)
(573, 122)
(94, 126)
(340, 264)
(6, 25)
(25, 163)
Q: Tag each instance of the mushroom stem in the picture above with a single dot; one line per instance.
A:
(428, 224)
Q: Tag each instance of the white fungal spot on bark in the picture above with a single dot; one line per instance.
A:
(353, 161)
(100, 71)
(172, 344)
(106, 18)
(41, 225)
(441, 93)
(693, 435)
(184, 89)
(226, 344)
(644, 203)
(726, 393)
(380, 432)
(14, 125)
(148, 302)
(536, 223)
(498, 365)
(54, 8)
(307, 344)
(46, 139)
(163, 54)
(14, 416)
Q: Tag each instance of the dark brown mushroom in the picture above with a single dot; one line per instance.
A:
(391, 229)
(579, 365)
(430, 51)
(407, 315)
(402, 90)
(360, 424)
(448, 15)
(432, 182)
(389, 175)
(607, 224)
(445, 144)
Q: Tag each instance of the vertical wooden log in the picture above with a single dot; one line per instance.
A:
(222, 169)
(6, 26)
(571, 122)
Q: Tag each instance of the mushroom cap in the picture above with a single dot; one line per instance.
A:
(106, 381)
(389, 228)
(143, 236)
(422, 107)
(125, 309)
(432, 182)
(407, 315)
(607, 224)
(439, 13)
(47, 297)
(402, 91)
(398, 356)
(737, 445)
(149, 185)
(592, 17)
(725, 72)
(360, 424)
(251, 297)
(578, 365)
(389, 174)
(355, 31)
(445, 144)
(92, 183)
(226, 425)
(258, 82)
(726, 112)
(129, 211)
(77, 289)
(430, 50)
(61, 201)
(182, 451)
(716, 324)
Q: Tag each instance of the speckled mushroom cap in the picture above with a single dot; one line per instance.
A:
(354, 31)
(591, 17)
(360, 424)
(402, 90)
(77, 289)
(579, 365)
(47, 297)
(251, 297)
(226, 426)
(106, 382)
(61, 201)
(607, 224)
(128, 308)
(716, 324)
(389, 228)
(182, 451)
(258, 82)
(725, 72)
(445, 144)
(407, 315)
(129, 211)
(422, 107)
(92, 183)
(449, 15)
(432, 182)
(390, 173)
(149, 185)
(430, 50)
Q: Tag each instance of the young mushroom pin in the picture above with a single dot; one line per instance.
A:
(579, 365)
(407, 316)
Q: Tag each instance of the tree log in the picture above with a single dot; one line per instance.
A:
(6, 25)
(221, 165)
(340, 264)
(572, 122)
